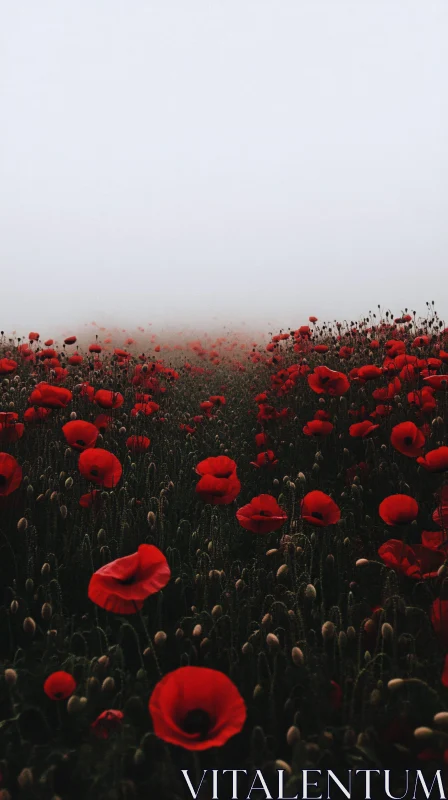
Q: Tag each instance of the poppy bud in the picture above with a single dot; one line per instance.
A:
(53, 496)
(351, 633)
(276, 482)
(440, 719)
(10, 677)
(29, 490)
(239, 584)
(216, 612)
(63, 511)
(151, 518)
(395, 683)
(422, 734)
(93, 686)
(297, 656)
(25, 778)
(14, 607)
(387, 631)
(310, 592)
(266, 621)
(282, 570)
(46, 611)
(247, 649)
(74, 704)
(22, 524)
(375, 697)
(160, 638)
(342, 639)
(45, 569)
(179, 633)
(101, 537)
(327, 630)
(258, 691)
(108, 685)
(369, 627)
(272, 640)
(367, 657)
(29, 626)
(282, 765)
(197, 630)
(361, 562)
(29, 584)
(293, 736)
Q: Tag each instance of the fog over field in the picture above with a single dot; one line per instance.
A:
(209, 163)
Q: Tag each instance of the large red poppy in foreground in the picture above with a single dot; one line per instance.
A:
(196, 708)
(80, 434)
(219, 484)
(123, 585)
(398, 509)
(320, 509)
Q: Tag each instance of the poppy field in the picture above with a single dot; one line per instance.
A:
(222, 553)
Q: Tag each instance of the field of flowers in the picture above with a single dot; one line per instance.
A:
(222, 553)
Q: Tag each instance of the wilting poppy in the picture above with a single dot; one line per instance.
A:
(123, 585)
(137, 444)
(196, 708)
(407, 439)
(219, 484)
(50, 396)
(435, 460)
(265, 459)
(319, 509)
(107, 723)
(416, 562)
(100, 466)
(360, 430)
(108, 399)
(79, 434)
(59, 685)
(262, 515)
(398, 509)
(10, 474)
(328, 381)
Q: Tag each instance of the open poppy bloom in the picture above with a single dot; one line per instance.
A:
(328, 381)
(317, 427)
(418, 562)
(79, 434)
(362, 429)
(262, 515)
(398, 509)
(123, 585)
(10, 474)
(319, 509)
(7, 365)
(435, 460)
(219, 484)
(138, 444)
(407, 439)
(266, 459)
(59, 685)
(100, 466)
(50, 396)
(107, 723)
(196, 708)
(107, 399)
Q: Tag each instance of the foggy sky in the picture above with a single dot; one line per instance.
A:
(194, 160)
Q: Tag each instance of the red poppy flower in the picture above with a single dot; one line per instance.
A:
(369, 373)
(123, 585)
(265, 459)
(10, 474)
(100, 466)
(107, 399)
(362, 429)
(439, 619)
(317, 427)
(217, 400)
(91, 499)
(196, 708)
(70, 340)
(219, 484)
(261, 440)
(33, 336)
(319, 509)
(417, 562)
(95, 348)
(398, 509)
(7, 365)
(435, 460)
(321, 348)
(145, 408)
(59, 685)
(50, 396)
(103, 422)
(407, 439)
(10, 429)
(36, 414)
(107, 723)
(262, 515)
(137, 444)
(328, 381)
(79, 434)
(75, 360)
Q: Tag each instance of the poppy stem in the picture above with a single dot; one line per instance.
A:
(150, 644)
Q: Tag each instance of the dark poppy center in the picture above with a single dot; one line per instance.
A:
(197, 721)
(317, 515)
(408, 440)
(325, 379)
(95, 472)
(80, 442)
(3, 480)
(127, 581)
(223, 474)
(263, 513)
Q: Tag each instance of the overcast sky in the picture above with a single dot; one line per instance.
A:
(257, 160)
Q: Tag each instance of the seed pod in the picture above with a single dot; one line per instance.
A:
(272, 640)
(216, 612)
(46, 611)
(10, 677)
(297, 656)
(422, 734)
(197, 630)
(29, 626)
(310, 592)
(160, 638)
(328, 631)
(247, 649)
(387, 631)
(108, 685)
(22, 524)
(68, 483)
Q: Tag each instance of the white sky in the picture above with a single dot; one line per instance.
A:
(258, 160)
